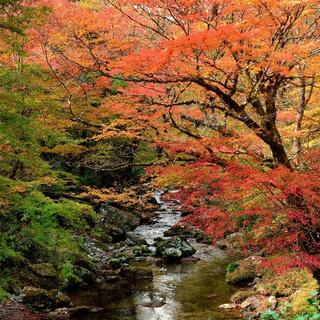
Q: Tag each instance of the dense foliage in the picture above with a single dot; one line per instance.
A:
(217, 98)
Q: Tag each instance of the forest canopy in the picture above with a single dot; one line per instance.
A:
(219, 99)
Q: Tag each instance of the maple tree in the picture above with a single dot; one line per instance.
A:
(212, 85)
(217, 98)
(240, 60)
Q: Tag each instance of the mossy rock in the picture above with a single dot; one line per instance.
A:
(133, 239)
(286, 284)
(300, 300)
(115, 263)
(137, 272)
(174, 249)
(244, 271)
(44, 300)
(124, 220)
(172, 254)
(142, 251)
(46, 270)
(241, 295)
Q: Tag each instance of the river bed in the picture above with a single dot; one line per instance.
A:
(189, 290)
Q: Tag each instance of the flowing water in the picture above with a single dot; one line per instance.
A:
(186, 291)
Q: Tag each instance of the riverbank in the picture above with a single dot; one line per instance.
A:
(131, 273)
(153, 268)
(192, 288)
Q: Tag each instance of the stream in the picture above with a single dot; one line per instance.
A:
(189, 290)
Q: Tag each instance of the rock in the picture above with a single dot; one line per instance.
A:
(186, 212)
(95, 252)
(112, 279)
(117, 234)
(172, 254)
(185, 232)
(272, 301)
(84, 274)
(142, 251)
(43, 300)
(241, 295)
(174, 249)
(124, 220)
(96, 310)
(179, 231)
(157, 302)
(152, 200)
(255, 303)
(147, 217)
(136, 272)
(44, 270)
(110, 276)
(67, 313)
(243, 271)
(228, 306)
(133, 239)
(119, 261)
(115, 263)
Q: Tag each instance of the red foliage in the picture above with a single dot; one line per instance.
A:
(278, 210)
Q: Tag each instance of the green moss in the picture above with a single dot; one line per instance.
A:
(3, 294)
(41, 230)
(287, 284)
(231, 267)
(242, 271)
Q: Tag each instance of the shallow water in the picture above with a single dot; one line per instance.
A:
(184, 291)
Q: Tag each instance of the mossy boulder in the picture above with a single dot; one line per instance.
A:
(137, 272)
(46, 270)
(174, 249)
(241, 295)
(172, 254)
(133, 239)
(44, 300)
(286, 284)
(118, 222)
(125, 220)
(68, 313)
(295, 287)
(43, 275)
(142, 251)
(243, 271)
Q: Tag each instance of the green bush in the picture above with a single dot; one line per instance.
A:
(312, 311)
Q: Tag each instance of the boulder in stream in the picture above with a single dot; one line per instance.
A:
(174, 249)
(44, 300)
(118, 222)
(136, 272)
(134, 239)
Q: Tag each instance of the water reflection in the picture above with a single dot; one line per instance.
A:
(177, 292)
(189, 291)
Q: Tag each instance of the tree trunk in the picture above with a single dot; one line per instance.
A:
(279, 154)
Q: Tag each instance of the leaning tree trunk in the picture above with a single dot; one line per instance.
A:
(279, 154)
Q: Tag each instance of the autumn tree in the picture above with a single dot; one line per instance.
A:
(77, 46)
(237, 60)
